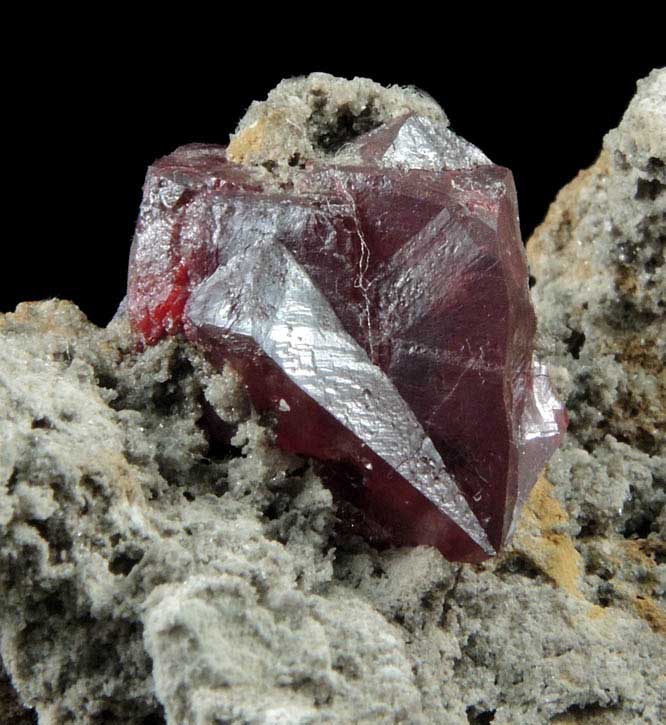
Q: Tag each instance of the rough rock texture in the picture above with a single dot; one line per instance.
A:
(600, 289)
(146, 574)
(311, 118)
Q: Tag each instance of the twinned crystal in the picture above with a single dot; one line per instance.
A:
(375, 302)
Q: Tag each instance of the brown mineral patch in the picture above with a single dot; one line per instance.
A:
(648, 549)
(626, 282)
(640, 552)
(653, 613)
(537, 538)
(248, 144)
(636, 549)
(641, 354)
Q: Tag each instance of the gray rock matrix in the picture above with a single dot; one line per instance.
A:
(149, 576)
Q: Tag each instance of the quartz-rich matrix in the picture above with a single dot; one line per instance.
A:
(384, 299)
(148, 575)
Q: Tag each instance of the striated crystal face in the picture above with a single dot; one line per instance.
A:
(378, 308)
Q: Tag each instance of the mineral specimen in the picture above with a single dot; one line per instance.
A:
(374, 300)
(144, 579)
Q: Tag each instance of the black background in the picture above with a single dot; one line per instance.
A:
(91, 117)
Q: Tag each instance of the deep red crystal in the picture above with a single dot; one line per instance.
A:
(413, 279)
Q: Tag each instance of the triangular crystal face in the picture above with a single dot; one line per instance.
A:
(377, 306)
(414, 142)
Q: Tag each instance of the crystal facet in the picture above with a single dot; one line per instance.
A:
(377, 305)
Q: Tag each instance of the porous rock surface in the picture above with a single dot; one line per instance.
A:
(312, 118)
(147, 575)
(600, 291)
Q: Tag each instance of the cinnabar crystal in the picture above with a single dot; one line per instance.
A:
(378, 308)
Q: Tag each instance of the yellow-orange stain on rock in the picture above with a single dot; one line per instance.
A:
(248, 143)
(539, 540)
(651, 612)
(644, 604)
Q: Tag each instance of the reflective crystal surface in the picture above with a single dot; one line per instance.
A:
(378, 308)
